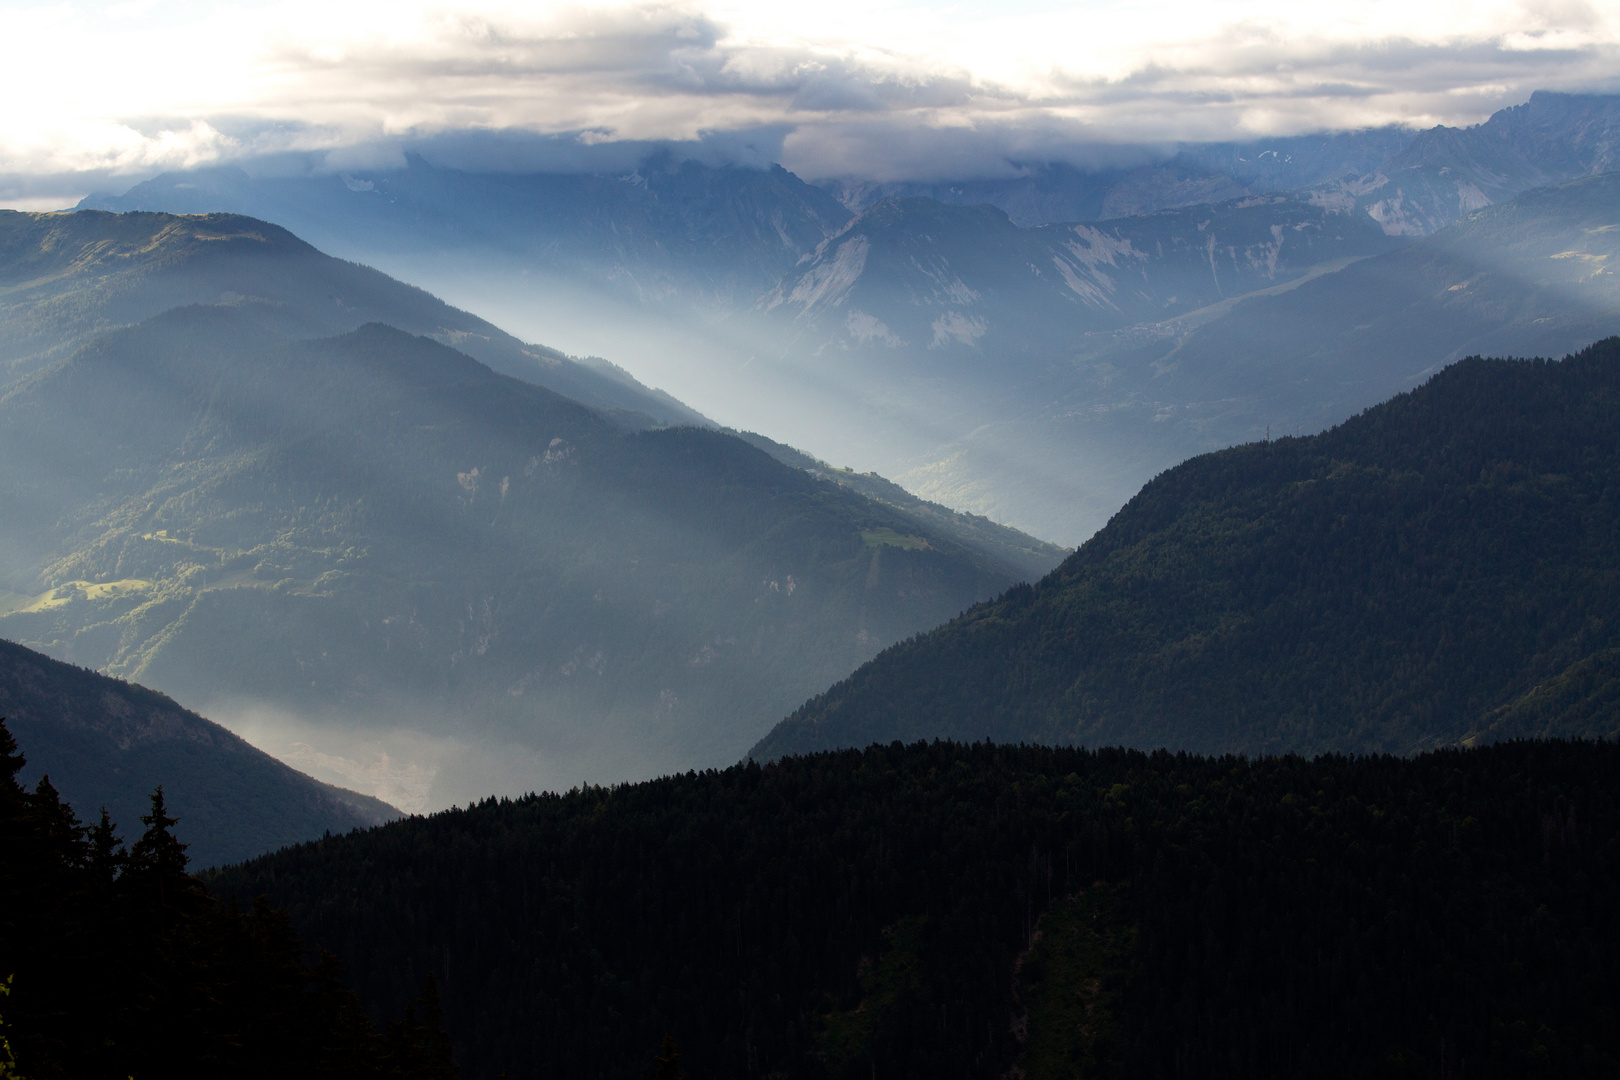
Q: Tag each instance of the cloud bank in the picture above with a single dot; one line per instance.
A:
(904, 90)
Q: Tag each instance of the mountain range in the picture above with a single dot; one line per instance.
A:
(1411, 182)
(981, 360)
(667, 229)
(1528, 277)
(374, 553)
(1300, 764)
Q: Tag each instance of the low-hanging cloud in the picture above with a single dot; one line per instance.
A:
(906, 90)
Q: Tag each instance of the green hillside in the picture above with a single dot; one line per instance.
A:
(1384, 586)
(106, 743)
(64, 278)
(946, 911)
(376, 530)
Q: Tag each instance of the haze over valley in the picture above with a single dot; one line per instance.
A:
(374, 544)
(1009, 348)
(821, 542)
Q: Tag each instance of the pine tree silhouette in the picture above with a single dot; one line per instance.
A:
(158, 851)
(418, 1044)
(59, 827)
(107, 854)
(13, 798)
(669, 1061)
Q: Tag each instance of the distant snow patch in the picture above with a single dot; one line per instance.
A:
(866, 329)
(829, 282)
(1093, 248)
(955, 327)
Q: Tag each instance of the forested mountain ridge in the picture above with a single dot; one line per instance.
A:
(1383, 586)
(65, 278)
(108, 743)
(953, 911)
(377, 531)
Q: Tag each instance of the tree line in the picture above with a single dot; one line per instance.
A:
(932, 910)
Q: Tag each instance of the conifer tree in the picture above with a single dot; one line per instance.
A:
(156, 869)
(419, 1045)
(11, 763)
(16, 844)
(668, 1061)
(58, 827)
(107, 854)
(158, 851)
(129, 967)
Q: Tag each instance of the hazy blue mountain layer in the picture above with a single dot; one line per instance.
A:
(1071, 444)
(1041, 193)
(1411, 182)
(107, 743)
(1385, 586)
(922, 323)
(911, 283)
(67, 277)
(1028, 556)
(376, 533)
(1017, 373)
(1531, 277)
(667, 229)
(1445, 173)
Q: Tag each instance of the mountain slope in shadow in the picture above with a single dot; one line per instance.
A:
(108, 743)
(1382, 587)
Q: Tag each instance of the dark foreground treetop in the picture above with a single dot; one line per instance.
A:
(119, 964)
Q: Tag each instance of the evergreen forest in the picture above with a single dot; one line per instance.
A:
(945, 910)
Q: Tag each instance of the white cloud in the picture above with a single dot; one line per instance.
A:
(869, 87)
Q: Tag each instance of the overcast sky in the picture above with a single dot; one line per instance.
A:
(103, 94)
